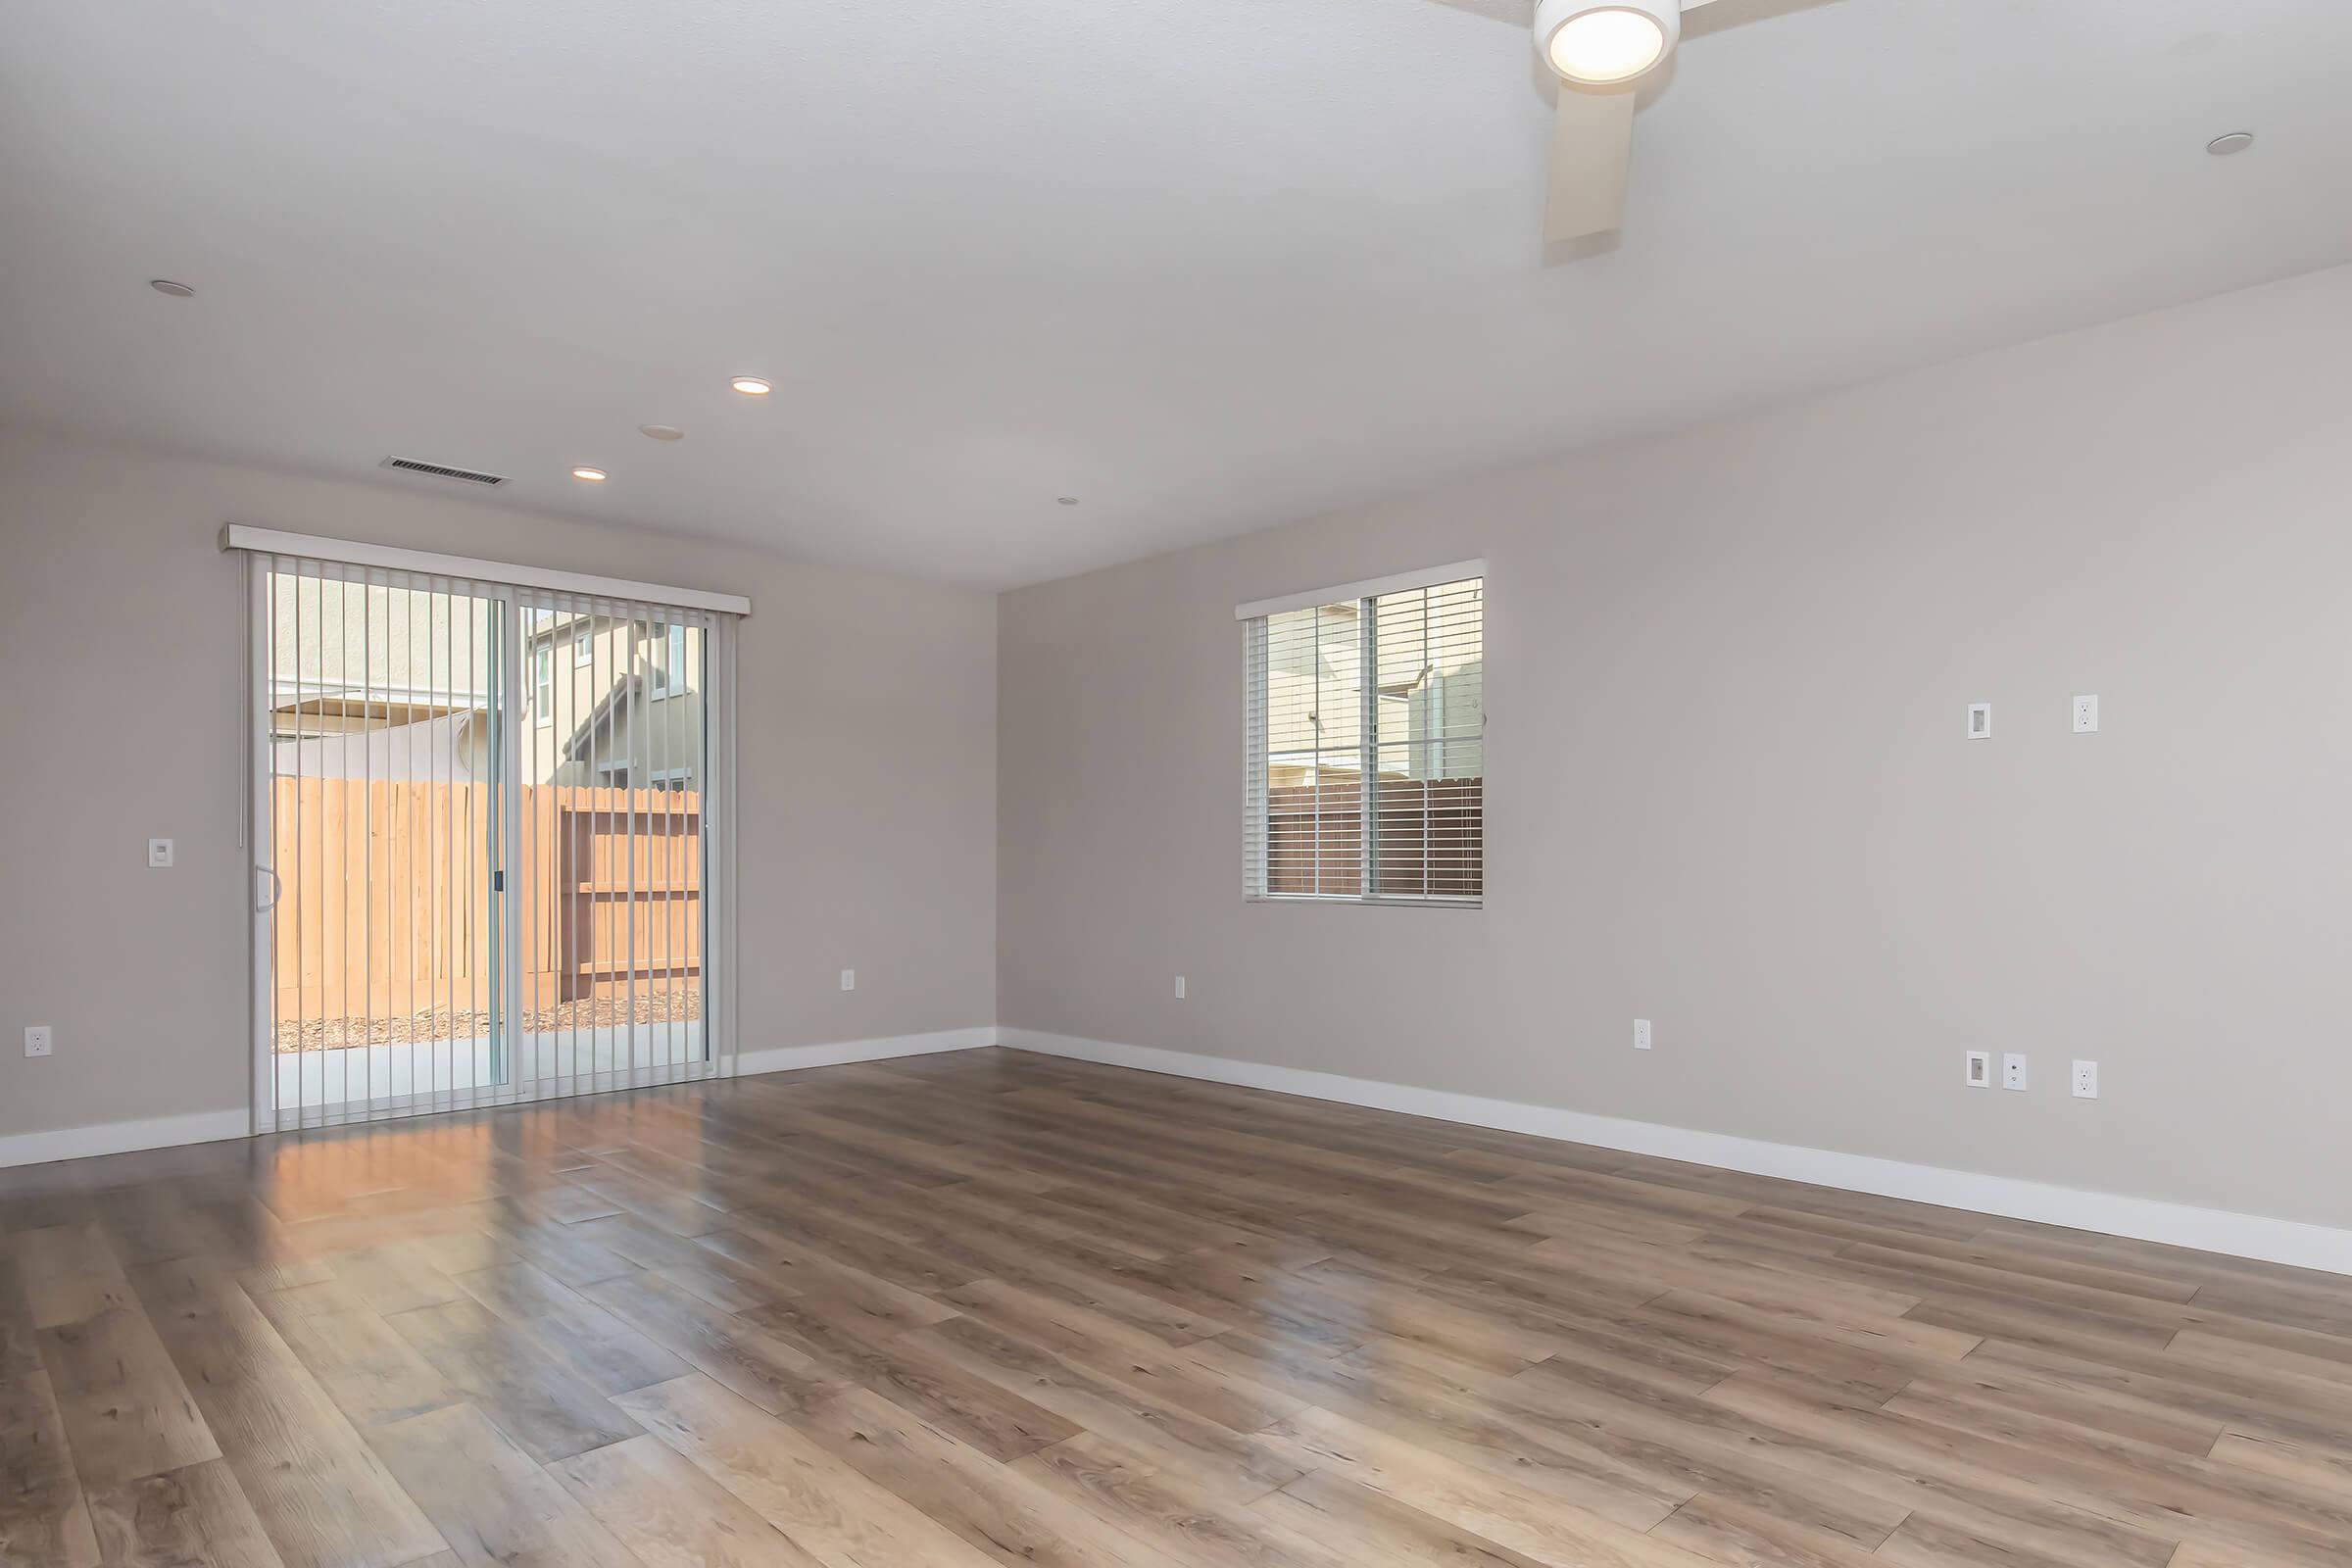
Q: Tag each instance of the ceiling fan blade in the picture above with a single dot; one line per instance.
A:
(1591, 154)
(1718, 15)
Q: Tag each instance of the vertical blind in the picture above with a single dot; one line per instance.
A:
(1365, 742)
(491, 832)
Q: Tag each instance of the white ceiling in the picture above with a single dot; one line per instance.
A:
(1207, 266)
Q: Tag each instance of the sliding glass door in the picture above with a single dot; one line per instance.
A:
(483, 829)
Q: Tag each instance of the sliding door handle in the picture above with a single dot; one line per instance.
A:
(277, 889)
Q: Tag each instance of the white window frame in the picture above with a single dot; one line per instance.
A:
(583, 647)
(543, 685)
(1254, 835)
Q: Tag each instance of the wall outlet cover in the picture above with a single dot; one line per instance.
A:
(39, 1040)
(1641, 1034)
(2013, 1072)
(2087, 1079)
(848, 979)
(1180, 988)
(2086, 715)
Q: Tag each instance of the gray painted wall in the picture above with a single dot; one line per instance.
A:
(1729, 789)
(867, 733)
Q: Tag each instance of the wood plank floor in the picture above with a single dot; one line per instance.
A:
(998, 1308)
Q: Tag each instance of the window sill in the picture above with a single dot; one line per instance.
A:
(1346, 901)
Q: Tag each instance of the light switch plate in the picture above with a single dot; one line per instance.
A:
(848, 979)
(1979, 1069)
(1180, 988)
(1979, 721)
(159, 851)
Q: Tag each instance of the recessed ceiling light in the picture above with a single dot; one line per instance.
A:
(2237, 141)
(751, 386)
(1067, 500)
(1609, 42)
(178, 291)
(662, 433)
(591, 475)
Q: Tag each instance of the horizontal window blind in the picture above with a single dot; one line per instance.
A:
(1364, 739)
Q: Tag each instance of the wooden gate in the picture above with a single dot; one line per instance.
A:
(627, 890)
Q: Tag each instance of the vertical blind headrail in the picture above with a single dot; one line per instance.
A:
(356, 553)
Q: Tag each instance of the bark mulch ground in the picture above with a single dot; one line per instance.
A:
(680, 1005)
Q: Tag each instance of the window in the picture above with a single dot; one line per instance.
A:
(583, 648)
(1365, 741)
(620, 775)
(543, 685)
(670, 673)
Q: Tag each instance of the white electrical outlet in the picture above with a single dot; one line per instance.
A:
(39, 1040)
(2086, 715)
(1979, 721)
(1180, 988)
(159, 851)
(1979, 1069)
(2087, 1079)
(2013, 1070)
(1641, 1034)
(848, 979)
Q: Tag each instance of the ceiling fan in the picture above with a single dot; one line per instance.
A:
(1602, 50)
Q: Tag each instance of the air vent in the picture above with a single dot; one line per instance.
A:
(441, 470)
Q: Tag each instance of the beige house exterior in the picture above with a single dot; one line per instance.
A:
(395, 683)
(1429, 701)
(610, 703)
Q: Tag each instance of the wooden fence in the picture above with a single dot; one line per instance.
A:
(386, 905)
(1432, 838)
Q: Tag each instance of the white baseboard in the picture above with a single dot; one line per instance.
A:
(121, 1137)
(2147, 1219)
(210, 1126)
(2277, 1240)
(790, 1058)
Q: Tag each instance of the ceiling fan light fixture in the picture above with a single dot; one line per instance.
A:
(1606, 44)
